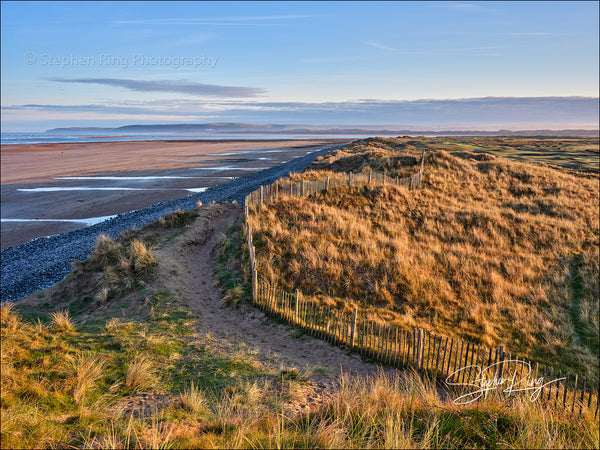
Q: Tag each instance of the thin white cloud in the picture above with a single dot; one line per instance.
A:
(331, 59)
(438, 52)
(189, 40)
(539, 33)
(471, 7)
(231, 20)
(381, 46)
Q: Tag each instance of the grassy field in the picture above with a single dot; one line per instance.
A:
(570, 153)
(490, 249)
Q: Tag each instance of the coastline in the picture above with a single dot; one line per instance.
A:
(48, 189)
(30, 163)
(40, 263)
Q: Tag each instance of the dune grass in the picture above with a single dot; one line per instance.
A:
(486, 249)
(61, 320)
(75, 385)
(63, 388)
(60, 391)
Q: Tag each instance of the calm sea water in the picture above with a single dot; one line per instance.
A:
(41, 138)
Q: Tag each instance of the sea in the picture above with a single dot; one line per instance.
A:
(49, 138)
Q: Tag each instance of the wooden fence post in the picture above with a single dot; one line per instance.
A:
(262, 194)
(370, 175)
(423, 362)
(582, 393)
(557, 389)
(574, 395)
(551, 378)
(542, 388)
(566, 389)
(327, 183)
(444, 356)
(389, 344)
(447, 370)
(296, 306)
(410, 347)
(303, 189)
(350, 179)
(379, 342)
(419, 349)
(591, 391)
(466, 363)
(254, 283)
(361, 346)
(353, 332)
(277, 189)
(500, 361)
(437, 355)
(428, 362)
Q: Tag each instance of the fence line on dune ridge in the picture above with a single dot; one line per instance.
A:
(301, 188)
(457, 362)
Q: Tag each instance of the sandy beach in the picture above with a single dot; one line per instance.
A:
(53, 188)
(34, 163)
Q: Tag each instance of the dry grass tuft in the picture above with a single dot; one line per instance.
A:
(87, 370)
(113, 325)
(103, 294)
(62, 320)
(179, 218)
(107, 251)
(10, 320)
(122, 265)
(141, 257)
(193, 399)
(140, 375)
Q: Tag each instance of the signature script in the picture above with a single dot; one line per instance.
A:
(510, 382)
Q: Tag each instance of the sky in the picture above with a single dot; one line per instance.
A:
(483, 65)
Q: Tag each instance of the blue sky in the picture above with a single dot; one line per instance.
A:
(118, 63)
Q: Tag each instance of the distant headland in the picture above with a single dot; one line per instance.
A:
(219, 128)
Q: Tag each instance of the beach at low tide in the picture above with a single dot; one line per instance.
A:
(56, 187)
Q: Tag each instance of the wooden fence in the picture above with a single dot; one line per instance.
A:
(460, 364)
(301, 188)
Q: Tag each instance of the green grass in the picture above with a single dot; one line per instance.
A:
(569, 153)
(232, 266)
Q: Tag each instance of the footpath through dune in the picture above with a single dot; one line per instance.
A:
(232, 326)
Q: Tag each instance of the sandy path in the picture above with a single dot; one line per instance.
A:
(234, 325)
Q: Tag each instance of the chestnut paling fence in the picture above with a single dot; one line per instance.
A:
(301, 188)
(464, 365)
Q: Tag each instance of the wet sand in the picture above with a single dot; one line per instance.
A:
(121, 176)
